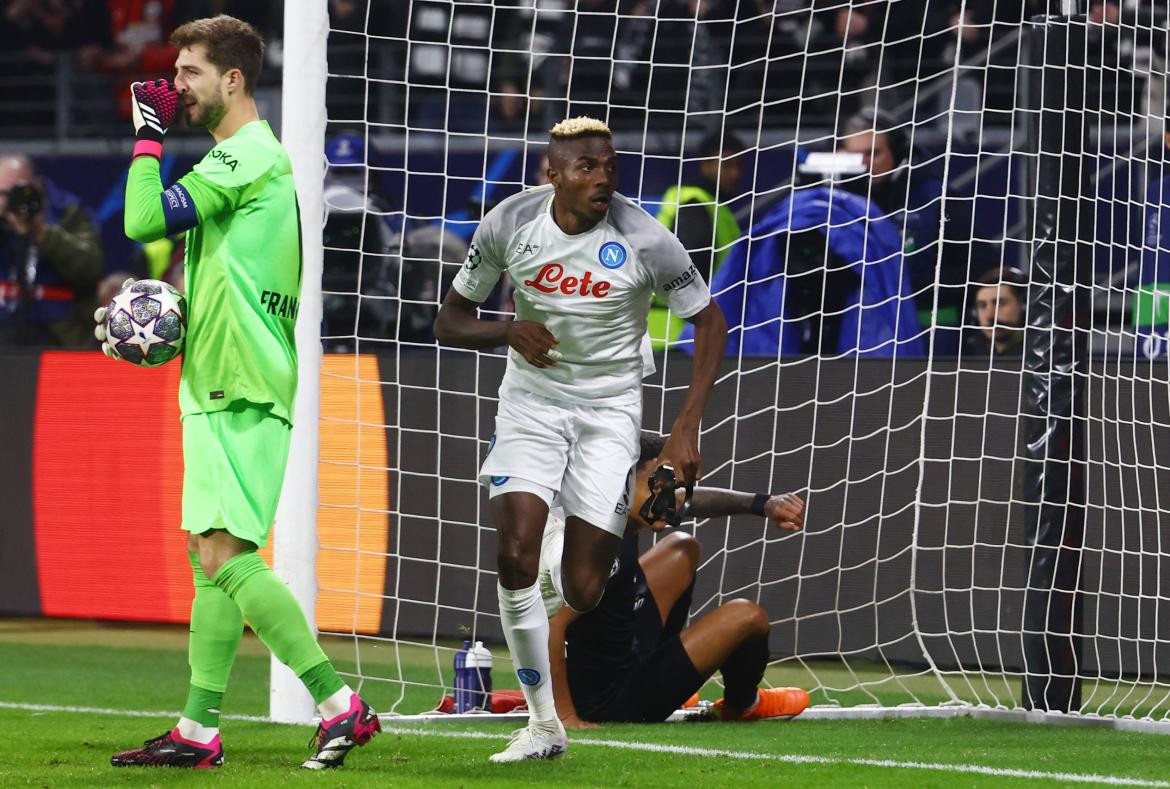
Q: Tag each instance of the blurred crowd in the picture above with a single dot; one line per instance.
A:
(84, 53)
(507, 68)
(511, 66)
(510, 69)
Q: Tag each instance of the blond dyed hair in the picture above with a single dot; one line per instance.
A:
(580, 126)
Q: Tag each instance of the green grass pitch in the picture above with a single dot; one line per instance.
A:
(126, 671)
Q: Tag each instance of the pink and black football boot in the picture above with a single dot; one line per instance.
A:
(171, 750)
(338, 736)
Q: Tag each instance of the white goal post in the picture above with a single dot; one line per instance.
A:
(893, 182)
(306, 30)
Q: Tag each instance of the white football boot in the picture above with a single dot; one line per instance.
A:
(535, 741)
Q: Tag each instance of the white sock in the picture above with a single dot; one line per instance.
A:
(195, 731)
(337, 704)
(525, 625)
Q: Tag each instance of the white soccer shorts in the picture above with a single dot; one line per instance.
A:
(583, 455)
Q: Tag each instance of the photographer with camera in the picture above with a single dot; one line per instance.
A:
(907, 190)
(50, 260)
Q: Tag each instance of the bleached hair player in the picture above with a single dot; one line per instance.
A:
(585, 262)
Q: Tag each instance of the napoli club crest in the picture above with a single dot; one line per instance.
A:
(612, 254)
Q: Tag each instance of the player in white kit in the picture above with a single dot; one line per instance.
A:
(585, 262)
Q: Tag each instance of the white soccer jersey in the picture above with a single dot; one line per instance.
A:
(591, 290)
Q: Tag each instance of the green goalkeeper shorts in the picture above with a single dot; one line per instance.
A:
(233, 469)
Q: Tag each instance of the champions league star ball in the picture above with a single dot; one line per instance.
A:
(146, 323)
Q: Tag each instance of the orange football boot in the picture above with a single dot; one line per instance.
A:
(773, 703)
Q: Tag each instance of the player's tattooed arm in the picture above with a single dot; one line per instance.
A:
(785, 510)
(457, 324)
(682, 448)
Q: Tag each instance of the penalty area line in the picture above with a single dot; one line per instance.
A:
(682, 750)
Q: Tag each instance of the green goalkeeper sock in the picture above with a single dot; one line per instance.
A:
(203, 706)
(322, 681)
(276, 617)
(216, 627)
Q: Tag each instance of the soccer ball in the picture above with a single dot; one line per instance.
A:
(146, 323)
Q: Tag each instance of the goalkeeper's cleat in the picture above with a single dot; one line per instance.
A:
(693, 701)
(771, 703)
(338, 736)
(171, 750)
(535, 741)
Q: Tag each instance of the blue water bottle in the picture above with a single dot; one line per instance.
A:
(473, 678)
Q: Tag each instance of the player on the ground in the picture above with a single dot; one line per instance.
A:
(585, 262)
(243, 273)
(632, 658)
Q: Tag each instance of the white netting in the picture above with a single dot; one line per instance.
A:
(860, 374)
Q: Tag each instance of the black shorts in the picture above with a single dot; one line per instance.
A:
(662, 679)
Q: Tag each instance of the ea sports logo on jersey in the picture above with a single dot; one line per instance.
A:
(612, 254)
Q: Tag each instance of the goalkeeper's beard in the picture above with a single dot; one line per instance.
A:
(205, 114)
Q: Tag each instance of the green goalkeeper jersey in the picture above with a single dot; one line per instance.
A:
(243, 268)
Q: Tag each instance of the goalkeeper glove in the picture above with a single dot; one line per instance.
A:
(155, 104)
(99, 331)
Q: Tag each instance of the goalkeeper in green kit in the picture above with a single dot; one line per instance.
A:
(243, 269)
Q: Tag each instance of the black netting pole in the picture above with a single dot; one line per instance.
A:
(1054, 366)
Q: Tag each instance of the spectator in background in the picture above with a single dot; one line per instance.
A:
(141, 50)
(969, 35)
(907, 193)
(1000, 305)
(794, 285)
(360, 275)
(1117, 43)
(1105, 12)
(429, 258)
(519, 41)
(45, 28)
(346, 54)
(914, 35)
(884, 147)
(606, 40)
(141, 28)
(697, 212)
(34, 35)
(382, 280)
(140, 31)
(50, 260)
(1151, 312)
(843, 47)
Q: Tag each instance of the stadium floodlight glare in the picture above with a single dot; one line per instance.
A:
(864, 373)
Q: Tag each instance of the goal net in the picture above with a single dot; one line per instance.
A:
(935, 229)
